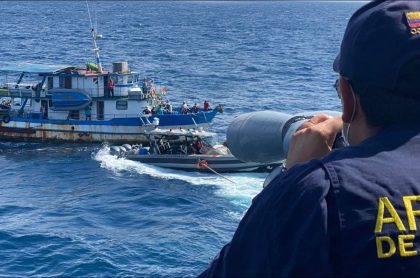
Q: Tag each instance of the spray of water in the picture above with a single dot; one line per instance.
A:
(247, 184)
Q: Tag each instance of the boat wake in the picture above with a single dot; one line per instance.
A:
(246, 185)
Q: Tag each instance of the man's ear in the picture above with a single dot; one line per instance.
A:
(348, 100)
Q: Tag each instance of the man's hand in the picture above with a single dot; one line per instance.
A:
(313, 139)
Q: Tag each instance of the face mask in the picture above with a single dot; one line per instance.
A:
(346, 126)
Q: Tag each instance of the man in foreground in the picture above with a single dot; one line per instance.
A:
(352, 211)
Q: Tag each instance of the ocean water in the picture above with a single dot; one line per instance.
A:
(76, 210)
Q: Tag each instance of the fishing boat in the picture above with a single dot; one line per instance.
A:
(88, 103)
(192, 150)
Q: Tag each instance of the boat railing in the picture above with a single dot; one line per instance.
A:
(145, 119)
(30, 114)
(28, 91)
(29, 111)
(117, 116)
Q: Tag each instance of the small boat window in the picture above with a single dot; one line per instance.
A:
(50, 82)
(130, 79)
(121, 104)
(65, 82)
(61, 82)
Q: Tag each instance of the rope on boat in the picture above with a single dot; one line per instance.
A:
(203, 164)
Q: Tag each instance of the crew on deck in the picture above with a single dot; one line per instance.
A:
(44, 111)
(168, 107)
(206, 106)
(147, 110)
(111, 87)
(144, 87)
(88, 112)
(195, 108)
(184, 108)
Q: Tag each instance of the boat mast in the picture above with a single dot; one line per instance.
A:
(95, 36)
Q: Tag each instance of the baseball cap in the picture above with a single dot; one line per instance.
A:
(380, 38)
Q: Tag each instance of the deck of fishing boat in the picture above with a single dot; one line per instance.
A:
(84, 104)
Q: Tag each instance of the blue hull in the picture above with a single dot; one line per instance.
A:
(173, 120)
(114, 130)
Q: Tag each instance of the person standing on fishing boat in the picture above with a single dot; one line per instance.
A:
(147, 111)
(168, 107)
(144, 87)
(353, 211)
(111, 87)
(206, 106)
(184, 108)
(195, 108)
(88, 112)
(44, 111)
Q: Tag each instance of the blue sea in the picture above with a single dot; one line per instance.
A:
(75, 210)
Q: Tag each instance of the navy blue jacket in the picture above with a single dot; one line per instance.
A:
(353, 213)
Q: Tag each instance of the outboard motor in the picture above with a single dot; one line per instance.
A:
(127, 147)
(264, 136)
(115, 150)
(122, 149)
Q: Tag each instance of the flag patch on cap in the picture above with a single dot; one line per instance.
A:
(413, 20)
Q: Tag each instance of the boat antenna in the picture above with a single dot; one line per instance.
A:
(95, 36)
(96, 20)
